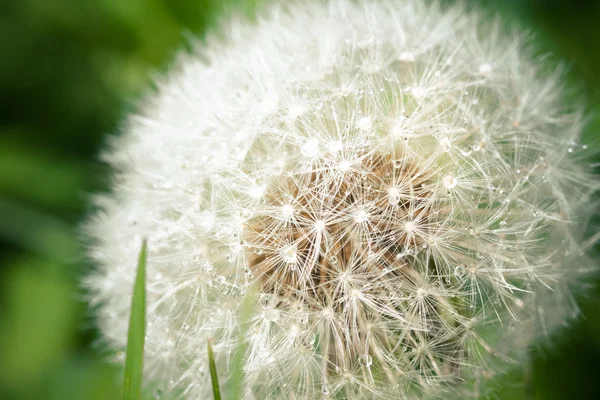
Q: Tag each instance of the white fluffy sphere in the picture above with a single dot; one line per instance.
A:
(399, 183)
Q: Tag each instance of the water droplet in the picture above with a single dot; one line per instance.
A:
(570, 149)
(466, 151)
(459, 270)
(303, 319)
(366, 360)
(310, 148)
(361, 217)
(336, 146)
(485, 69)
(230, 257)
(256, 192)
(295, 111)
(393, 195)
(271, 314)
(449, 182)
(319, 225)
(365, 124)
(206, 220)
(324, 389)
(206, 266)
(418, 92)
(406, 56)
(398, 163)
(290, 254)
(344, 165)
(287, 210)
(445, 144)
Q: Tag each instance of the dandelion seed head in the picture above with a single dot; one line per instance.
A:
(406, 213)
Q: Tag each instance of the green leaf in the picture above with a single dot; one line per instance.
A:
(213, 372)
(134, 362)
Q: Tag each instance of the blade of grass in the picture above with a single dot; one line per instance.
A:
(134, 362)
(213, 372)
(237, 370)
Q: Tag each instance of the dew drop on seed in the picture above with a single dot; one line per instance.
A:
(256, 192)
(366, 360)
(459, 270)
(485, 69)
(344, 165)
(418, 92)
(336, 146)
(310, 148)
(449, 182)
(271, 314)
(290, 254)
(466, 151)
(365, 124)
(319, 225)
(287, 210)
(324, 389)
(406, 56)
(445, 144)
(393, 195)
(361, 217)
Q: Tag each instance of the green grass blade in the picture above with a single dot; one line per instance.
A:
(237, 370)
(134, 362)
(213, 372)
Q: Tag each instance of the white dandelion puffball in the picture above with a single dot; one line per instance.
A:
(397, 185)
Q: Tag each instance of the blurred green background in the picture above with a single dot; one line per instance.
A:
(70, 70)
